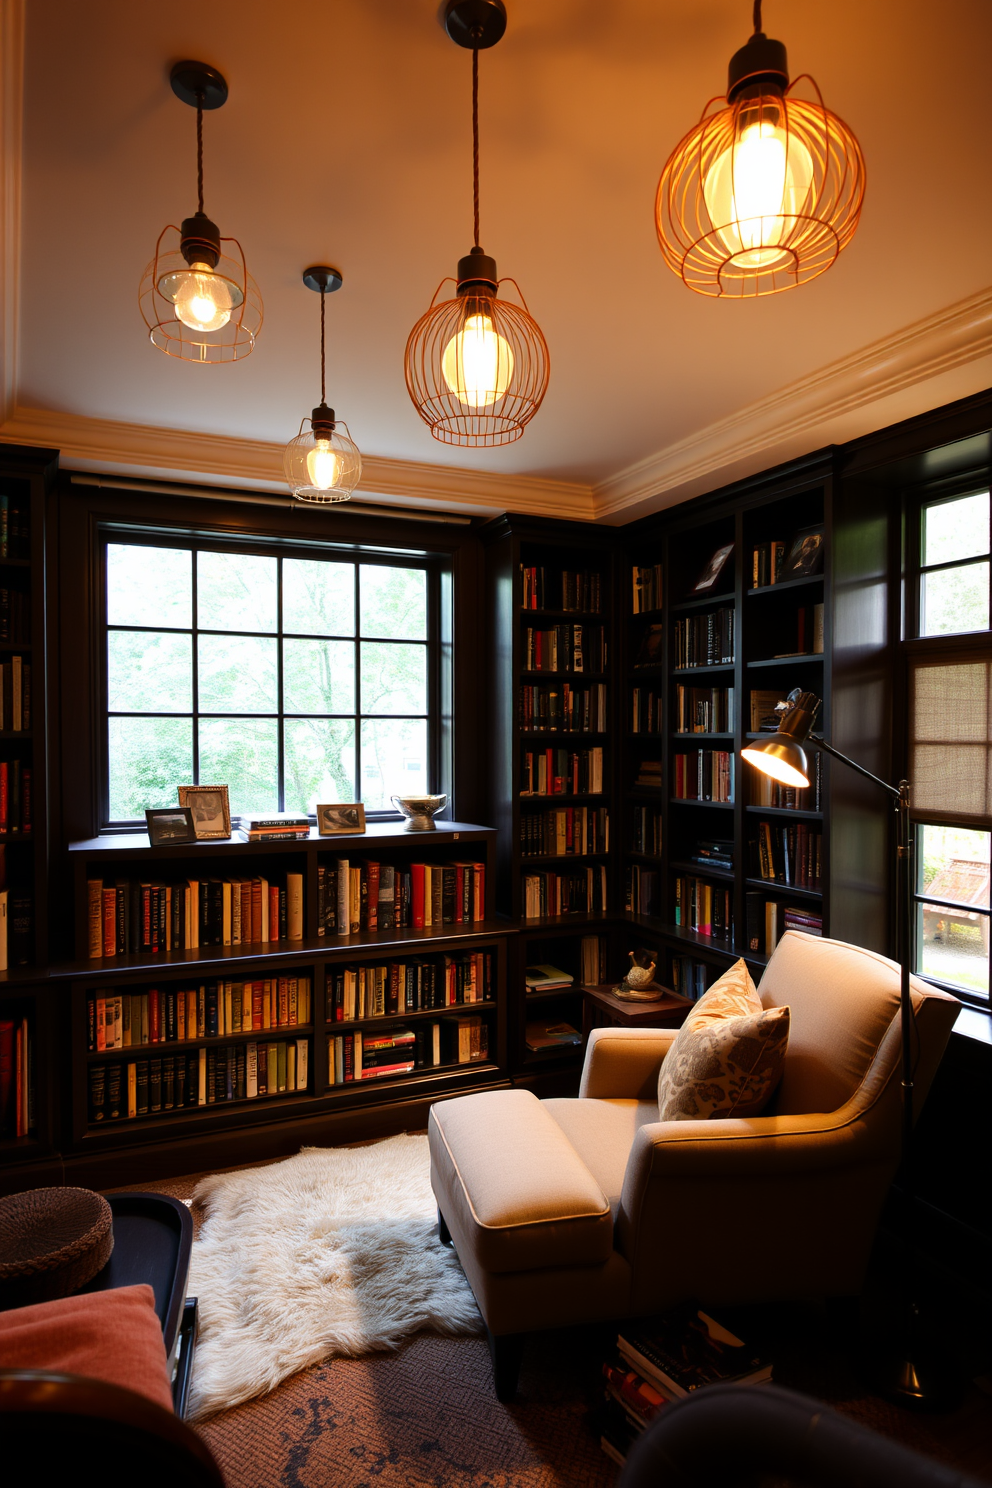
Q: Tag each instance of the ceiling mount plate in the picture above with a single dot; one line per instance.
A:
(322, 277)
(198, 85)
(475, 23)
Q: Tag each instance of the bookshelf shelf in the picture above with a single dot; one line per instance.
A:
(791, 813)
(699, 870)
(800, 659)
(773, 886)
(686, 605)
(785, 586)
(166, 1047)
(385, 1020)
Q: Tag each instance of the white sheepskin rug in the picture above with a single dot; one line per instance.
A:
(332, 1252)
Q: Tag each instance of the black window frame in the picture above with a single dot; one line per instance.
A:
(439, 602)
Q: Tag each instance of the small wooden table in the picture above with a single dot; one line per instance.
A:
(601, 1008)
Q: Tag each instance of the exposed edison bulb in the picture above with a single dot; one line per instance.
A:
(322, 466)
(755, 189)
(478, 363)
(203, 299)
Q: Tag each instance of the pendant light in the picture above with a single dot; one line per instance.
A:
(322, 463)
(764, 194)
(197, 298)
(476, 365)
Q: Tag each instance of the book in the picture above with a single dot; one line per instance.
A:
(684, 1349)
(544, 978)
(549, 1033)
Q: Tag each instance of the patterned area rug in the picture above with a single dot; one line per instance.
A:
(333, 1252)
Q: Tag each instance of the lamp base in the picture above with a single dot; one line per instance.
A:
(476, 24)
(915, 1383)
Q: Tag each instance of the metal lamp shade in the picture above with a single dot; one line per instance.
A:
(325, 469)
(781, 758)
(761, 196)
(169, 271)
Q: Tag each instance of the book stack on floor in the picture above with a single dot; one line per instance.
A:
(667, 1358)
(353, 897)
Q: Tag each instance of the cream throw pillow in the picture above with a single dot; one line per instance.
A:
(727, 1057)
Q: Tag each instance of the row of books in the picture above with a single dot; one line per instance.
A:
(643, 891)
(705, 775)
(704, 710)
(647, 588)
(581, 891)
(690, 978)
(15, 616)
(179, 1015)
(767, 921)
(352, 897)
(382, 991)
(16, 926)
(767, 792)
(399, 1051)
(15, 799)
(16, 1078)
(592, 960)
(15, 695)
(665, 1358)
(807, 632)
(123, 1090)
(567, 589)
(704, 907)
(15, 537)
(648, 775)
(645, 711)
(565, 832)
(574, 710)
(705, 640)
(133, 917)
(766, 563)
(565, 648)
(788, 854)
(645, 833)
(562, 772)
(713, 852)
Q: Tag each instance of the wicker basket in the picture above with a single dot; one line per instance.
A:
(52, 1242)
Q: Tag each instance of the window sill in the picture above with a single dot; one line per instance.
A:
(974, 1023)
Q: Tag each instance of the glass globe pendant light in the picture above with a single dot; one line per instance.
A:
(765, 193)
(476, 365)
(322, 464)
(197, 298)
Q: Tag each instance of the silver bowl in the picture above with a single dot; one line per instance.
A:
(419, 811)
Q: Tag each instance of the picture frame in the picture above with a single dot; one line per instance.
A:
(344, 818)
(713, 569)
(170, 825)
(211, 810)
(805, 555)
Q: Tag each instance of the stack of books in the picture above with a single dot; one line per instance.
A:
(667, 1358)
(278, 826)
(546, 978)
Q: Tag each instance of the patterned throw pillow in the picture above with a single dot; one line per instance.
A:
(727, 1057)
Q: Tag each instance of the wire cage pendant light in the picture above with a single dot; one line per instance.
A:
(476, 364)
(764, 194)
(197, 298)
(322, 464)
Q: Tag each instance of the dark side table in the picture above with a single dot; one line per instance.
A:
(601, 1008)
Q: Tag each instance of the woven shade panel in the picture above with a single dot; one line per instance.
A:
(950, 761)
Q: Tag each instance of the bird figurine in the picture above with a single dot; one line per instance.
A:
(639, 984)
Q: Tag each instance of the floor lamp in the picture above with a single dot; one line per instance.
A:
(782, 756)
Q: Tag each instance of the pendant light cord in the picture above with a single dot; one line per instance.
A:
(199, 152)
(475, 136)
(323, 396)
(757, 16)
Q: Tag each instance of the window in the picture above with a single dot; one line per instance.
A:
(950, 742)
(293, 677)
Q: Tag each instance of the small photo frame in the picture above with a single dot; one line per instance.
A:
(170, 824)
(332, 821)
(211, 810)
(713, 569)
(805, 555)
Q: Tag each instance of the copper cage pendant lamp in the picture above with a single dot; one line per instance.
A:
(197, 298)
(322, 464)
(477, 365)
(764, 194)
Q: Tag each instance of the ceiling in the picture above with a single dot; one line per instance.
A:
(347, 139)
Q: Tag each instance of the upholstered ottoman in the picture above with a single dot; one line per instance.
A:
(532, 1227)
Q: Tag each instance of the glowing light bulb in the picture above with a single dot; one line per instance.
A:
(756, 188)
(478, 363)
(322, 466)
(203, 299)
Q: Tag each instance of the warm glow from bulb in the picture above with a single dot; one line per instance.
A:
(203, 299)
(478, 363)
(778, 769)
(323, 466)
(754, 190)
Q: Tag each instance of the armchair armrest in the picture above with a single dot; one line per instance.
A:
(623, 1063)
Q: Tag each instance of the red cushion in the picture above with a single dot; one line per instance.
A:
(113, 1335)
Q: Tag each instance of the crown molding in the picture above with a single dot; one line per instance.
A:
(11, 135)
(177, 454)
(828, 407)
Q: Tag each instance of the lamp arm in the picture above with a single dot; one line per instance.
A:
(894, 791)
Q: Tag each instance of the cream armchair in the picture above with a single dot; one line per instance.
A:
(563, 1211)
